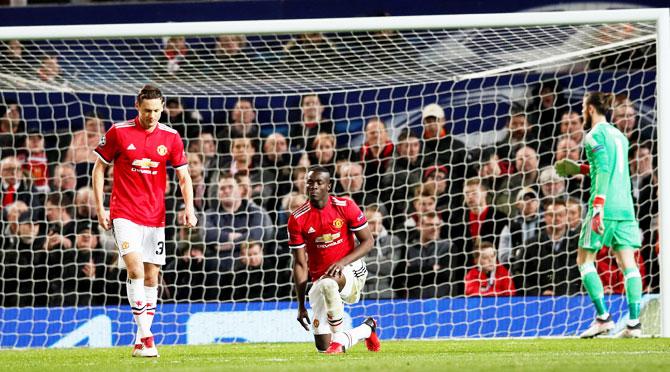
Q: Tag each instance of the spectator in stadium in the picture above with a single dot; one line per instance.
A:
(19, 241)
(277, 163)
(174, 60)
(437, 178)
(527, 172)
(488, 277)
(64, 179)
(16, 187)
(575, 213)
(572, 126)
(495, 173)
(520, 133)
(244, 159)
(552, 186)
(423, 201)
(241, 124)
(625, 117)
(577, 186)
(423, 271)
(12, 130)
(234, 219)
(36, 164)
(383, 257)
(227, 57)
(197, 171)
(61, 224)
(350, 181)
(12, 59)
(248, 276)
(80, 150)
(439, 146)
(50, 70)
(323, 152)
(548, 106)
(187, 123)
(548, 266)
(404, 175)
(310, 52)
(375, 154)
(311, 123)
(298, 177)
(478, 221)
(86, 212)
(205, 145)
(525, 227)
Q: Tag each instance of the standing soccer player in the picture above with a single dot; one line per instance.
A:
(611, 216)
(321, 235)
(140, 149)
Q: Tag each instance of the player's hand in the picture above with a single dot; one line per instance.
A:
(190, 220)
(597, 224)
(103, 219)
(567, 168)
(303, 318)
(334, 270)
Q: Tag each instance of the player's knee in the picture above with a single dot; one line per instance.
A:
(328, 287)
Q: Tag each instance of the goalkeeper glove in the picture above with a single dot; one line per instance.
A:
(567, 168)
(597, 224)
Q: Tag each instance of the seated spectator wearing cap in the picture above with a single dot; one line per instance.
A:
(382, 258)
(404, 175)
(478, 221)
(488, 278)
(439, 146)
(375, 154)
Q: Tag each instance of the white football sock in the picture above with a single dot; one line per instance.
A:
(138, 305)
(152, 300)
(353, 336)
(334, 305)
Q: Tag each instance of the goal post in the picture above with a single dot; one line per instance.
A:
(481, 70)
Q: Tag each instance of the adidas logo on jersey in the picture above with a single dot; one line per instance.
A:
(311, 230)
(130, 147)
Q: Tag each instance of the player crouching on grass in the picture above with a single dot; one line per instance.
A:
(321, 235)
(611, 216)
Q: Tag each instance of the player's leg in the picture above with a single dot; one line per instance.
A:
(354, 275)
(627, 241)
(320, 326)
(590, 243)
(128, 237)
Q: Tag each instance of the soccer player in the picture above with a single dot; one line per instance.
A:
(140, 149)
(321, 235)
(611, 218)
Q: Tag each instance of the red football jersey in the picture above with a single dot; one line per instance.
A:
(326, 234)
(140, 158)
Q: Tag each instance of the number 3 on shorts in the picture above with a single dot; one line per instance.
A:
(161, 247)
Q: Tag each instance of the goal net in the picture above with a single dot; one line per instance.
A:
(444, 136)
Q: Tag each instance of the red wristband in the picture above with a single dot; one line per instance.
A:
(584, 169)
(599, 201)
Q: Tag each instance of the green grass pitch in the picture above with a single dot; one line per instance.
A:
(458, 355)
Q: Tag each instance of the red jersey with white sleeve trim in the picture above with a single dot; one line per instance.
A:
(326, 234)
(140, 173)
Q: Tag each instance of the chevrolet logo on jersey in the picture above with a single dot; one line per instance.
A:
(327, 238)
(145, 163)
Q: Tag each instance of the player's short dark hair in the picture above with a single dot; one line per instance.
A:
(149, 92)
(319, 169)
(601, 102)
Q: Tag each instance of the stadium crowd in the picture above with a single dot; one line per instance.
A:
(447, 220)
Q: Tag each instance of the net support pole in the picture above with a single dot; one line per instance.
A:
(663, 131)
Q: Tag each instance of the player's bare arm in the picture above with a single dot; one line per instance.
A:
(98, 178)
(366, 241)
(186, 186)
(300, 279)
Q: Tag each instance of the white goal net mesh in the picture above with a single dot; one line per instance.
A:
(445, 138)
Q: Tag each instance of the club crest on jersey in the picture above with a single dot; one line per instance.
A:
(162, 150)
(125, 246)
(338, 223)
(316, 323)
(102, 141)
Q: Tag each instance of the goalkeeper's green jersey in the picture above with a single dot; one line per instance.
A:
(607, 151)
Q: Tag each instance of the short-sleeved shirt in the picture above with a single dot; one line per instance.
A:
(607, 151)
(326, 234)
(140, 159)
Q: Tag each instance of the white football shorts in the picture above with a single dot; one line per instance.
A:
(355, 274)
(148, 241)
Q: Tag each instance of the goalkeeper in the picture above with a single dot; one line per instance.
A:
(610, 220)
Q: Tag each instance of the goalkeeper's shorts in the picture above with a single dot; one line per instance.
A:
(618, 235)
(145, 240)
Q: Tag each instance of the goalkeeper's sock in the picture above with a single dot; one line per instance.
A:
(353, 336)
(594, 287)
(633, 284)
(138, 305)
(334, 305)
(152, 300)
